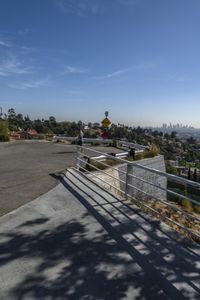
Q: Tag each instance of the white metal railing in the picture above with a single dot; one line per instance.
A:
(85, 140)
(130, 185)
(131, 145)
(125, 144)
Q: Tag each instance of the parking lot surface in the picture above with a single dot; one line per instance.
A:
(28, 169)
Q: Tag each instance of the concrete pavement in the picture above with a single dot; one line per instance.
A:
(27, 170)
(79, 242)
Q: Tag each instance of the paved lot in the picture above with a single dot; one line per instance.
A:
(27, 168)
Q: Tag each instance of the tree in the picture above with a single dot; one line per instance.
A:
(80, 124)
(11, 113)
(167, 136)
(195, 175)
(173, 134)
(52, 119)
(189, 174)
(3, 131)
(191, 140)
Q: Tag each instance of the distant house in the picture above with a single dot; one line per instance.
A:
(24, 134)
(32, 133)
(14, 135)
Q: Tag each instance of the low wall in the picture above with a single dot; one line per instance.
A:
(156, 162)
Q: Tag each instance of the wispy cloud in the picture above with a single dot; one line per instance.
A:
(141, 66)
(84, 8)
(80, 8)
(75, 70)
(13, 66)
(31, 84)
(113, 74)
(5, 43)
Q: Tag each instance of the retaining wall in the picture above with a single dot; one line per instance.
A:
(156, 162)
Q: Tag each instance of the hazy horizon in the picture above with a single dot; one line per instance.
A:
(138, 59)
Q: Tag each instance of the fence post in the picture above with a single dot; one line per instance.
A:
(127, 188)
(77, 157)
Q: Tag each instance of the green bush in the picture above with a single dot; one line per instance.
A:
(4, 138)
(99, 165)
(188, 205)
(153, 151)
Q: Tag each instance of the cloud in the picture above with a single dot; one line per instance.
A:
(31, 85)
(114, 74)
(83, 8)
(13, 66)
(74, 70)
(4, 43)
(80, 8)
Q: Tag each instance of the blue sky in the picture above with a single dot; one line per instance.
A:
(74, 59)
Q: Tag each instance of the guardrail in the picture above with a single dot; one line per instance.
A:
(85, 140)
(131, 145)
(121, 143)
(122, 180)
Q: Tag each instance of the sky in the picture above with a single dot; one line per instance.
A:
(75, 59)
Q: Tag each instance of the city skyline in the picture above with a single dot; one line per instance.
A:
(76, 59)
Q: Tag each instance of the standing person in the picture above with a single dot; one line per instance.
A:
(80, 138)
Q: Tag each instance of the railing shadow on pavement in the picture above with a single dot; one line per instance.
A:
(82, 265)
(157, 246)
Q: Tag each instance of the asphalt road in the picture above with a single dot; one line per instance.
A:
(27, 170)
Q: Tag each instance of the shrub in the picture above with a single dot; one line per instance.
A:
(187, 204)
(99, 165)
(153, 151)
(4, 138)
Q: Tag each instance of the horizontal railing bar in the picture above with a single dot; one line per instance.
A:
(111, 167)
(102, 180)
(173, 177)
(142, 191)
(168, 204)
(129, 144)
(170, 176)
(75, 138)
(102, 171)
(152, 184)
(158, 199)
(189, 215)
(166, 190)
(170, 220)
(169, 191)
(163, 217)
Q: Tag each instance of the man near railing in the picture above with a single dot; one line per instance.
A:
(80, 138)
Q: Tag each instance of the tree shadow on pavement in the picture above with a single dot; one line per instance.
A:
(80, 259)
(73, 265)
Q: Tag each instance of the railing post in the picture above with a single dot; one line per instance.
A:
(185, 189)
(128, 179)
(77, 157)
